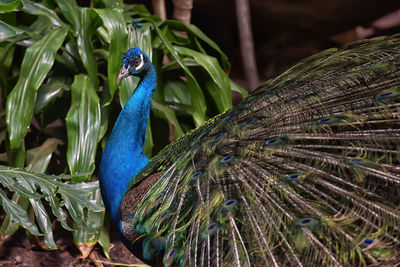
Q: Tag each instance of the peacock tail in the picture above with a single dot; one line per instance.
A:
(303, 172)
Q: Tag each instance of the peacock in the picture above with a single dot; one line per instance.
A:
(303, 172)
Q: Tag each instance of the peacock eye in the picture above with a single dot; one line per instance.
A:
(136, 61)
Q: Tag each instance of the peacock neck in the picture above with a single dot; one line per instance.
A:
(123, 156)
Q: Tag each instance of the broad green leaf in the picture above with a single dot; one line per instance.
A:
(82, 24)
(10, 5)
(70, 56)
(170, 116)
(128, 86)
(8, 31)
(47, 93)
(177, 96)
(113, 3)
(223, 98)
(38, 9)
(36, 64)
(115, 24)
(16, 157)
(105, 107)
(54, 189)
(83, 124)
(18, 214)
(9, 227)
(198, 101)
(103, 34)
(90, 232)
(38, 158)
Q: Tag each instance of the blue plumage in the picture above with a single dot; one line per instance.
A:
(123, 156)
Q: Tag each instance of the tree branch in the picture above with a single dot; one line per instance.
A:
(183, 10)
(246, 44)
(160, 9)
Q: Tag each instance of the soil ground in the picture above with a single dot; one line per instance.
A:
(18, 251)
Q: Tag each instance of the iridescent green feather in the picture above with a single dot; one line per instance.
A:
(304, 172)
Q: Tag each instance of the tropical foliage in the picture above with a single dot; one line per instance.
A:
(58, 67)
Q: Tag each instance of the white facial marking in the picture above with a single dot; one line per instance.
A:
(141, 63)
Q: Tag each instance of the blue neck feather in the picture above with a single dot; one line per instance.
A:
(123, 156)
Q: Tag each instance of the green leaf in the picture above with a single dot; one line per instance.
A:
(41, 10)
(113, 3)
(115, 24)
(170, 116)
(195, 31)
(10, 5)
(198, 101)
(223, 98)
(89, 233)
(18, 214)
(38, 158)
(238, 89)
(9, 227)
(74, 197)
(105, 107)
(8, 31)
(82, 22)
(104, 240)
(176, 94)
(128, 86)
(47, 94)
(148, 143)
(44, 222)
(83, 124)
(36, 64)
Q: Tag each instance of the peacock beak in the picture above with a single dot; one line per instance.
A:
(124, 72)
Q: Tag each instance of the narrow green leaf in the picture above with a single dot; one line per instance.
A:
(196, 32)
(36, 64)
(148, 143)
(44, 222)
(238, 89)
(10, 5)
(198, 101)
(223, 98)
(114, 22)
(104, 240)
(83, 124)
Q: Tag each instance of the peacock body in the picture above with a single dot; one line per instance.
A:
(303, 172)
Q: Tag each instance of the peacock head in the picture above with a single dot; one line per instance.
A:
(134, 62)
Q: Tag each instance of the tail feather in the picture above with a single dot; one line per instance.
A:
(304, 172)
